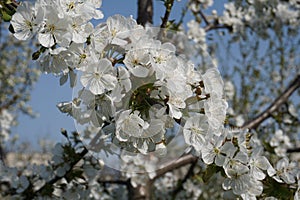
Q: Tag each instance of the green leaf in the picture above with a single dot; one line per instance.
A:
(210, 171)
(5, 16)
(277, 190)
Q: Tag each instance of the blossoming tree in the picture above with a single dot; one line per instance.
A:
(154, 118)
(17, 78)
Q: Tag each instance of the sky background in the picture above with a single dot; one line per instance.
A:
(47, 92)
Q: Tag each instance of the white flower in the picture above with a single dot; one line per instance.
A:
(255, 188)
(217, 152)
(61, 170)
(215, 110)
(119, 28)
(58, 152)
(285, 13)
(77, 8)
(81, 56)
(285, 171)
(46, 172)
(100, 37)
(54, 61)
(99, 77)
(89, 9)
(206, 3)
(257, 164)
(233, 16)
(281, 142)
(213, 82)
(175, 104)
(238, 174)
(55, 29)
(229, 90)
(197, 33)
(80, 30)
(238, 183)
(163, 60)
(24, 21)
(20, 183)
(130, 124)
(138, 62)
(195, 131)
(124, 78)
(193, 77)
(6, 121)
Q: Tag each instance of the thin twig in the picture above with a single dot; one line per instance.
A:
(293, 86)
(216, 26)
(169, 5)
(211, 25)
(117, 181)
(57, 178)
(204, 17)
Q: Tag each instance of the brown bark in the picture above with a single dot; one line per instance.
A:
(145, 12)
(254, 123)
(141, 192)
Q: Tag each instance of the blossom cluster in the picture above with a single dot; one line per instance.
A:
(254, 11)
(6, 121)
(133, 86)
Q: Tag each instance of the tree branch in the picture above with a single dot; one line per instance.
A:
(216, 26)
(204, 17)
(188, 175)
(295, 150)
(117, 181)
(169, 4)
(293, 86)
(145, 12)
(210, 25)
(57, 178)
(175, 164)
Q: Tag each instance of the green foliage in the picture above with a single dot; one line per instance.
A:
(141, 99)
(7, 9)
(280, 191)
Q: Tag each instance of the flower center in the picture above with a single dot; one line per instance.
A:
(51, 28)
(71, 6)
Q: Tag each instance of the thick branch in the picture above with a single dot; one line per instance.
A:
(295, 150)
(145, 12)
(254, 123)
(175, 164)
(186, 177)
(141, 192)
